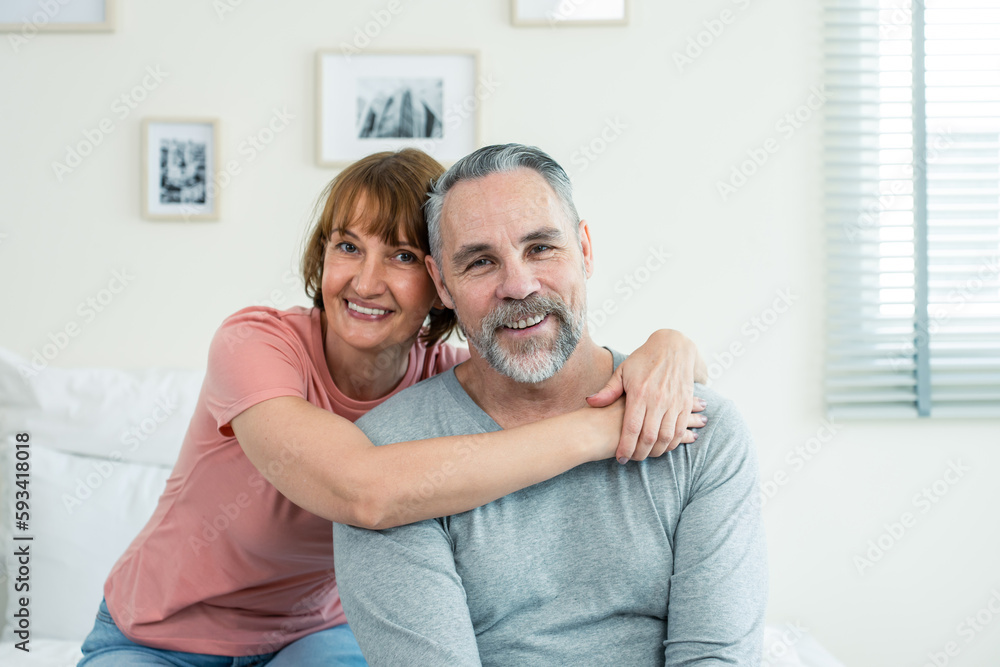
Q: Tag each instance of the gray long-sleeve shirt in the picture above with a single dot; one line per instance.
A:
(651, 563)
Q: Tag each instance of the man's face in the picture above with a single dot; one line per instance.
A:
(514, 268)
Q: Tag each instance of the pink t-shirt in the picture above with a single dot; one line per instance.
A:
(227, 565)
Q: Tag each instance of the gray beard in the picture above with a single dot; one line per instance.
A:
(533, 360)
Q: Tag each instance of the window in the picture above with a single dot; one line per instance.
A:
(912, 202)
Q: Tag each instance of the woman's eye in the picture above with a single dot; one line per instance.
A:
(406, 257)
(347, 247)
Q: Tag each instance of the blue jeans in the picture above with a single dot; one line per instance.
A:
(106, 646)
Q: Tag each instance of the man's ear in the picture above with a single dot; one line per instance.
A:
(586, 248)
(432, 268)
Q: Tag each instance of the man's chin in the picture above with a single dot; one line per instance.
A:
(532, 368)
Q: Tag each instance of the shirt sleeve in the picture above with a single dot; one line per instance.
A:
(718, 589)
(253, 357)
(403, 598)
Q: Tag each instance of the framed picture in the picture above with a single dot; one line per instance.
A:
(381, 101)
(179, 158)
(551, 13)
(30, 16)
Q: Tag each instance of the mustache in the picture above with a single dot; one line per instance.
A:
(513, 310)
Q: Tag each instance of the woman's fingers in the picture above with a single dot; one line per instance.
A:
(680, 433)
(632, 424)
(696, 420)
(609, 393)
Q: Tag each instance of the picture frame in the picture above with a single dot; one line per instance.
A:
(388, 100)
(559, 13)
(29, 16)
(180, 157)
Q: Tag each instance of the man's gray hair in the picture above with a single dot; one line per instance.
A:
(500, 158)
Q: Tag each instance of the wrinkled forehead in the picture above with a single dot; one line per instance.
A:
(506, 203)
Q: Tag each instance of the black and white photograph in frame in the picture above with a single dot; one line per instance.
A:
(378, 101)
(400, 108)
(552, 13)
(29, 16)
(179, 158)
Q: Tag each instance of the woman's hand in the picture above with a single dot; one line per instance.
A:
(660, 407)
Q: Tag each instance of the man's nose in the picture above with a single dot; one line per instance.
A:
(518, 281)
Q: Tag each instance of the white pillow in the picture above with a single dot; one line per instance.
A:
(77, 537)
(137, 415)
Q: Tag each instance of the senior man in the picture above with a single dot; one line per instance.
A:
(654, 562)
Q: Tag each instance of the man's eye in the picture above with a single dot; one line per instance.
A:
(482, 261)
(541, 248)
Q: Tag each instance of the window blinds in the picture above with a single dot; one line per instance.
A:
(912, 207)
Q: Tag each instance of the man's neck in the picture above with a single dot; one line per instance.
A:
(512, 403)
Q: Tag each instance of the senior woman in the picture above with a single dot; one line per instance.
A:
(235, 567)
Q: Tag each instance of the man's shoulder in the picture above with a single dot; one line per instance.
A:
(416, 413)
(726, 436)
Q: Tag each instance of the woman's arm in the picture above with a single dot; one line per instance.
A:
(658, 383)
(325, 464)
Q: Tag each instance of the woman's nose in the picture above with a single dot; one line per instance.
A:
(370, 278)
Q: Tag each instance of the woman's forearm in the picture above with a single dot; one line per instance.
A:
(423, 479)
(324, 464)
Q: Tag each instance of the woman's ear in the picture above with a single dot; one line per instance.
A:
(443, 297)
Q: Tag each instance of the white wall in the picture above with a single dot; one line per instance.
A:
(655, 185)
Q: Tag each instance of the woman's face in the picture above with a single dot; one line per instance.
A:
(376, 295)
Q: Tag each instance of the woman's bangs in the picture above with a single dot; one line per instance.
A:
(386, 215)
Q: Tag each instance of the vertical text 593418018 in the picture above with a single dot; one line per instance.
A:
(22, 542)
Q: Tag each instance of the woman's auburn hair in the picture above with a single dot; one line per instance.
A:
(394, 186)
